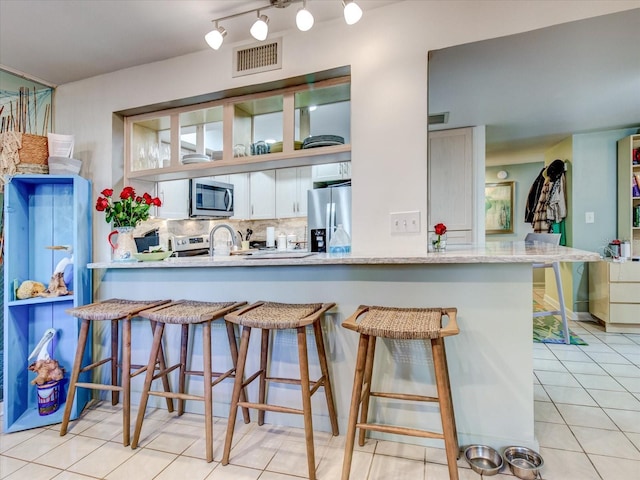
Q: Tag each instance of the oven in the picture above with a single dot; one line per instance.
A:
(189, 245)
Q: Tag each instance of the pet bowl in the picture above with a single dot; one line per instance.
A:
(523, 462)
(483, 459)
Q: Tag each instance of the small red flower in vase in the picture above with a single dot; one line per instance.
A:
(439, 239)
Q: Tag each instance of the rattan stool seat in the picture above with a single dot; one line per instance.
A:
(274, 315)
(269, 317)
(189, 314)
(402, 323)
(189, 311)
(113, 309)
(396, 323)
(117, 311)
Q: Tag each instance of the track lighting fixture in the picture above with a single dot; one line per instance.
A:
(304, 19)
(215, 37)
(352, 12)
(260, 28)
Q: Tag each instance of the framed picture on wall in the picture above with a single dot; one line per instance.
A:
(498, 207)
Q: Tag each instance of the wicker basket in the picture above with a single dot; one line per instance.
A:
(34, 149)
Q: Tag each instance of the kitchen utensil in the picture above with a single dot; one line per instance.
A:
(524, 462)
(249, 233)
(240, 236)
(483, 459)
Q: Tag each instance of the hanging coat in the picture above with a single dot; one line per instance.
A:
(540, 224)
(532, 198)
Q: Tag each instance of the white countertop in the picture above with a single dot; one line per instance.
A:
(491, 252)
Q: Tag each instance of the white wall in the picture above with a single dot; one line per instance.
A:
(387, 51)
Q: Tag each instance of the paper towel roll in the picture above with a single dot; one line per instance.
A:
(625, 250)
(271, 237)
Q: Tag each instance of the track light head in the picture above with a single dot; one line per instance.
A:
(215, 37)
(352, 12)
(304, 19)
(260, 28)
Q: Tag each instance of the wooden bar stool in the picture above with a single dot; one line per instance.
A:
(189, 313)
(115, 310)
(270, 316)
(407, 324)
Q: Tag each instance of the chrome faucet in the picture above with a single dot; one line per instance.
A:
(234, 238)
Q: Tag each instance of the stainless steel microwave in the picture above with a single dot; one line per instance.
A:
(208, 198)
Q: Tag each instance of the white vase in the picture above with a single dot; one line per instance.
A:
(124, 247)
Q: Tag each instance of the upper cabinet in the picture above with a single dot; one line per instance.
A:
(295, 126)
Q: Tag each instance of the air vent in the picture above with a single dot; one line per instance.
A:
(257, 58)
(439, 118)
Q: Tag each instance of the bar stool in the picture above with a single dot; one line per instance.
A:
(408, 324)
(269, 316)
(189, 313)
(115, 310)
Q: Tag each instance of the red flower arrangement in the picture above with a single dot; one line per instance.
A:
(440, 228)
(129, 210)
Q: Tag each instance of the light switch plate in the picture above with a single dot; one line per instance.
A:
(589, 217)
(404, 222)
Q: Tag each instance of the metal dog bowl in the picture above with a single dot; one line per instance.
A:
(523, 462)
(483, 459)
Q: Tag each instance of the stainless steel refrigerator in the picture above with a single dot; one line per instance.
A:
(326, 209)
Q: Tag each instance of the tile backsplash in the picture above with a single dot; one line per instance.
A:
(167, 228)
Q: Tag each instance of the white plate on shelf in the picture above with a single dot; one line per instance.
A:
(195, 158)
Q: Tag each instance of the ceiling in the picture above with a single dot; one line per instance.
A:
(534, 89)
(531, 90)
(61, 41)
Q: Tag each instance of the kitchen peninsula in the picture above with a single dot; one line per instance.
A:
(490, 361)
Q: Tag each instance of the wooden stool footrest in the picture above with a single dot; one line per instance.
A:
(222, 376)
(414, 432)
(179, 396)
(99, 386)
(404, 396)
(271, 408)
(94, 365)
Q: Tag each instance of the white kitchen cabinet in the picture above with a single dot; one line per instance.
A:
(262, 192)
(331, 172)
(292, 185)
(450, 181)
(174, 195)
(614, 295)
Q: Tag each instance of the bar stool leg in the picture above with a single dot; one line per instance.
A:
(163, 366)
(233, 347)
(264, 359)
(363, 345)
(126, 381)
(306, 400)
(324, 368)
(184, 346)
(237, 387)
(148, 379)
(208, 392)
(115, 394)
(368, 375)
(446, 410)
(75, 375)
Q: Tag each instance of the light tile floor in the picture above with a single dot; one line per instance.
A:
(587, 413)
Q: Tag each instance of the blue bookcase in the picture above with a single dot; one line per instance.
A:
(42, 211)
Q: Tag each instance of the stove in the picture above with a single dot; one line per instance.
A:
(189, 245)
